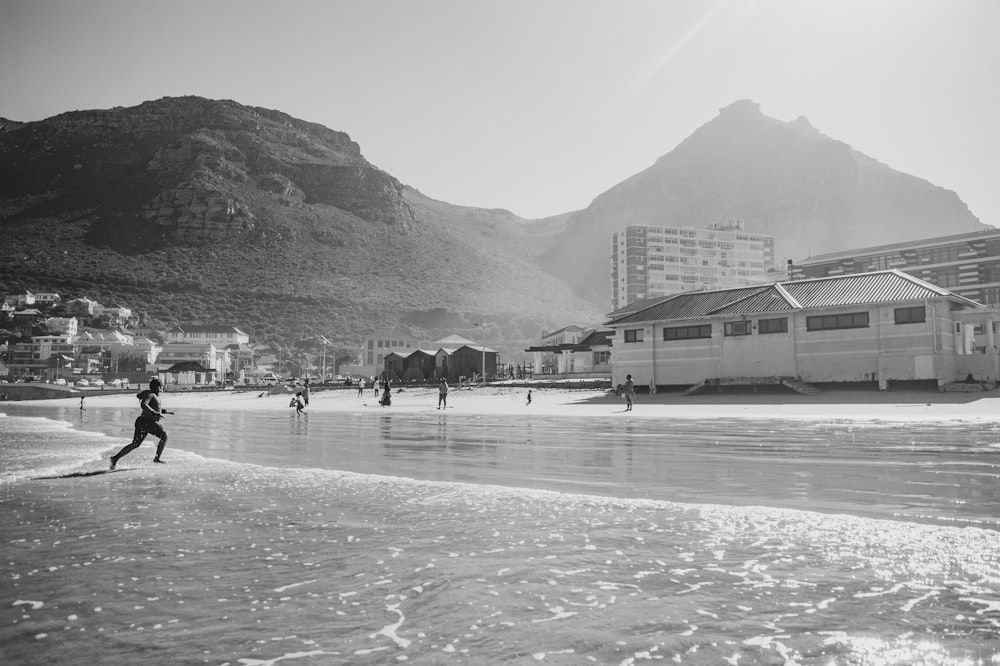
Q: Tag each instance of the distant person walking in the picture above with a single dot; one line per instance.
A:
(629, 392)
(81, 402)
(148, 422)
(529, 398)
(443, 394)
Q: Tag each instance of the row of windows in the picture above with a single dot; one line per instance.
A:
(390, 343)
(909, 315)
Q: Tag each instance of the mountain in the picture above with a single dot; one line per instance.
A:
(204, 211)
(812, 193)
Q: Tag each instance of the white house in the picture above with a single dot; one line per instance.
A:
(580, 353)
(188, 373)
(216, 359)
(872, 327)
(220, 336)
(63, 325)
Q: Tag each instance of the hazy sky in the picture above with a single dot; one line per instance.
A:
(538, 106)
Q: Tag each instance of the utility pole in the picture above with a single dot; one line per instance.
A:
(483, 345)
(325, 343)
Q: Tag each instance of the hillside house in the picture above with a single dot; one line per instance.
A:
(81, 307)
(876, 327)
(47, 299)
(220, 336)
(20, 300)
(25, 320)
(64, 325)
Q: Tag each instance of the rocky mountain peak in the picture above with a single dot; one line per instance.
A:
(814, 194)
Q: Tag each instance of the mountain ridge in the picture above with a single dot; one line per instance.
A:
(789, 180)
(204, 211)
(201, 211)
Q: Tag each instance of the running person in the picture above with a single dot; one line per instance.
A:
(148, 423)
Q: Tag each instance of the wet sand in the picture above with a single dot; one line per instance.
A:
(852, 405)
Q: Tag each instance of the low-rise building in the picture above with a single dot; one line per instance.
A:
(241, 361)
(27, 319)
(381, 343)
(583, 355)
(62, 325)
(32, 358)
(876, 327)
(417, 365)
(20, 300)
(218, 335)
(207, 355)
(81, 307)
(47, 298)
(187, 374)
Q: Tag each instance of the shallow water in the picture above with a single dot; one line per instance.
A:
(376, 538)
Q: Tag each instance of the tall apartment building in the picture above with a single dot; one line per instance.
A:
(648, 262)
(967, 264)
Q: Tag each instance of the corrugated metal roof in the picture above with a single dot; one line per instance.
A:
(861, 289)
(690, 305)
(856, 289)
(768, 300)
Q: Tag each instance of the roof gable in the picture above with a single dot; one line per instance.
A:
(188, 366)
(841, 290)
(454, 341)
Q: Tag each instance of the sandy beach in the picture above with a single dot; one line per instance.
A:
(850, 405)
(838, 527)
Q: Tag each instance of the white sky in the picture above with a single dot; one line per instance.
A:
(538, 106)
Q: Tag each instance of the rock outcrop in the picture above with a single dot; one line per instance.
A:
(193, 169)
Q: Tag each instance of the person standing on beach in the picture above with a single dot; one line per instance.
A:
(148, 422)
(305, 392)
(361, 387)
(629, 392)
(81, 402)
(443, 394)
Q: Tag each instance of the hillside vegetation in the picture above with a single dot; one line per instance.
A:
(190, 210)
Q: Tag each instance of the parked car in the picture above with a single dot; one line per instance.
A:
(115, 383)
(81, 382)
(269, 379)
(60, 381)
(97, 382)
